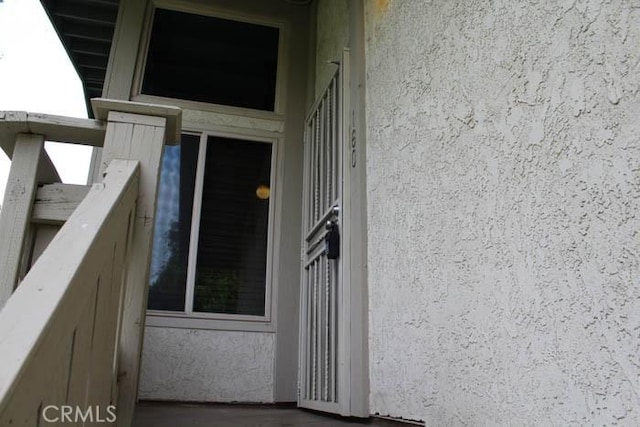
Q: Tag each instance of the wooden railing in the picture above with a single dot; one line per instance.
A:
(58, 330)
(71, 329)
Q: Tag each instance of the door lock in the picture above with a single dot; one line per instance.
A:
(332, 240)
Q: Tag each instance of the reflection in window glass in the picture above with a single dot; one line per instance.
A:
(232, 248)
(170, 253)
(213, 60)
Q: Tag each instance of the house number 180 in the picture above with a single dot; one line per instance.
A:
(353, 146)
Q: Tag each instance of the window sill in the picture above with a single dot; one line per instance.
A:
(183, 321)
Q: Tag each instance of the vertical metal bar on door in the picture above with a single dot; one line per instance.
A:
(322, 344)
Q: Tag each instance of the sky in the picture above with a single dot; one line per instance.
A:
(37, 76)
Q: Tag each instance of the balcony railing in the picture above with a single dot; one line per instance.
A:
(71, 321)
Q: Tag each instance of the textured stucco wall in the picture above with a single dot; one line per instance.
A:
(207, 366)
(503, 162)
(332, 36)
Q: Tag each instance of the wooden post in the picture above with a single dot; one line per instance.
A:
(137, 137)
(122, 61)
(16, 209)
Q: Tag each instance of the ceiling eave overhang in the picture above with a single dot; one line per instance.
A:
(85, 28)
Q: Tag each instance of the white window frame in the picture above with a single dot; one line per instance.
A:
(232, 122)
(203, 320)
(208, 10)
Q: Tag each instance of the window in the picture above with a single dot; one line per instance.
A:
(211, 60)
(170, 254)
(225, 270)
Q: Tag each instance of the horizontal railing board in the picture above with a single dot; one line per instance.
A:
(53, 128)
(54, 203)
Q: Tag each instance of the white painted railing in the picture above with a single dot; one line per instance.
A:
(58, 331)
(71, 329)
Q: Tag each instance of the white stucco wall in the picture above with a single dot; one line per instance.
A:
(207, 366)
(503, 163)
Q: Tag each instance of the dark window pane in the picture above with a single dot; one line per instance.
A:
(173, 225)
(201, 58)
(232, 248)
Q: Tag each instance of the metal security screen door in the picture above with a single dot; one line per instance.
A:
(323, 373)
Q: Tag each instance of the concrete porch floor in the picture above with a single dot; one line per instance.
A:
(158, 414)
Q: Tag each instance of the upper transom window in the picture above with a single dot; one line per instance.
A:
(213, 60)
